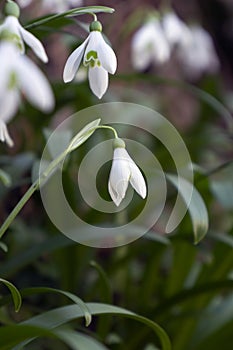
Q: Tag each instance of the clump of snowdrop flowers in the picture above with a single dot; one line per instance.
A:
(198, 54)
(123, 172)
(18, 34)
(97, 56)
(150, 45)
(19, 73)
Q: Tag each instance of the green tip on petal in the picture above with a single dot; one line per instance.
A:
(12, 9)
(95, 26)
(118, 143)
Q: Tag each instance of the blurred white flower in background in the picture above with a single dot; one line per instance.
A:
(19, 73)
(54, 5)
(19, 35)
(97, 56)
(198, 54)
(149, 45)
(154, 41)
(123, 172)
(175, 30)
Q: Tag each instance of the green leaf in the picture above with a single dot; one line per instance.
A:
(83, 135)
(195, 206)
(60, 316)
(5, 178)
(74, 298)
(79, 341)
(4, 247)
(21, 333)
(70, 13)
(14, 292)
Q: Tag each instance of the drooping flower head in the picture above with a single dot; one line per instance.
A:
(149, 45)
(12, 26)
(123, 172)
(97, 56)
(19, 73)
(198, 54)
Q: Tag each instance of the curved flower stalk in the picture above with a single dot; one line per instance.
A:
(149, 45)
(198, 54)
(123, 172)
(18, 34)
(19, 73)
(97, 56)
(175, 30)
(54, 5)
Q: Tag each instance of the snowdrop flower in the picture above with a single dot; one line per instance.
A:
(149, 45)
(123, 171)
(98, 56)
(19, 73)
(12, 26)
(175, 30)
(198, 54)
(54, 5)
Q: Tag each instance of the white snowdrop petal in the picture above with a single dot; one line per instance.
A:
(11, 24)
(34, 43)
(106, 55)
(35, 85)
(98, 80)
(119, 176)
(142, 46)
(9, 103)
(4, 134)
(137, 180)
(7, 62)
(160, 46)
(73, 62)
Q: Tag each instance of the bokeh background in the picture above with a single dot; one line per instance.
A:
(185, 288)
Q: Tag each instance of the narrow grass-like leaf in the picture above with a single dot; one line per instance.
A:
(70, 13)
(195, 206)
(14, 292)
(74, 298)
(11, 336)
(83, 135)
(60, 316)
(5, 178)
(4, 247)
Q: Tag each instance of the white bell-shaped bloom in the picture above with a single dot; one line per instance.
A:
(149, 45)
(19, 74)
(175, 30)
(53, 5)
(198, 54)
(98, 57)
(12, 26)
(123, 172)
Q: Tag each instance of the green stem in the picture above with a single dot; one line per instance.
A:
(109, 128)
(19, 206)
(35, 186)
